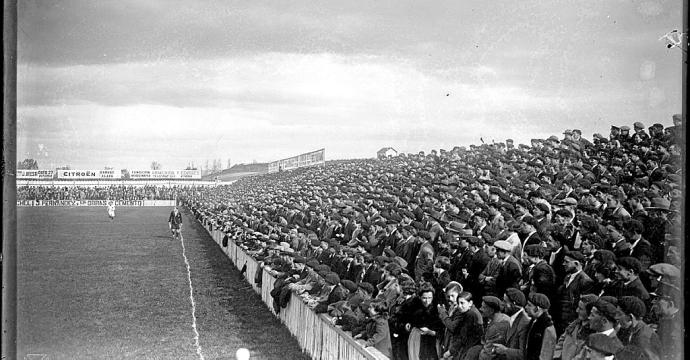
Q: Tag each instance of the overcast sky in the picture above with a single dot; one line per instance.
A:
(122, 83)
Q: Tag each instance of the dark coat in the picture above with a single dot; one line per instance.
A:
(439, 282)
(568, 298)
(373, 276)
(508, 276)
(643, 251)
(378, 335)
(541, 339)
(543, 279)
(460, 260)
(635, 288)
(477, 264)
(643, 336)
(557, 265)
(427, 317)
(516, 337)
(468, 333)
(338, 293)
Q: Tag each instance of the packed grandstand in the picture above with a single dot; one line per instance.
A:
(471, 253)
(111, 192)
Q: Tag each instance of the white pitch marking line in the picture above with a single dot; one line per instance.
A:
(191, 297)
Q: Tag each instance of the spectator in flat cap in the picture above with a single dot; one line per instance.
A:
(540, 276)
(566, 191)
(629, 283)
(497, 324)
(487, 278)
(602, 347)
(424, 261)
(633, 330)
(603, 317)
(641, 249)
(529, 233)
(441, 277)
(541, 338)
(333, 292)
(516, 336)
(373, 273)
(670, 325)
(572, 340)
(377, 333)
(575, 283)
(477, 263)
(389, 289)
(510, 273)
(349, 285)
(460, 259)
(615, 213)
(639, 128)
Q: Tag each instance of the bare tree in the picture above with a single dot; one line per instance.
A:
(27, 164)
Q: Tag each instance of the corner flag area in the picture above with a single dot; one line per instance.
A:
(89, 288)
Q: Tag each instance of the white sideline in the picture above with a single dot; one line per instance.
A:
(191, 298)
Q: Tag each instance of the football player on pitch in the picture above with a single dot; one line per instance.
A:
(175, 222)
(111, 210)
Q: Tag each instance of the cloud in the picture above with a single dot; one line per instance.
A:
(265, 79)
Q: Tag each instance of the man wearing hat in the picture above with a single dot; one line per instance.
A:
(664, 278)
(296, 273)
(640, 135)
(602, 320)
(655, 225)
(615, 133)
(460, 259)
(541, 337)
(540, 276)
(615, 213)
(656, 132)
(389, 288)
(497, 324)
(634, 331)
(629, 283)
(478, 261)
(575, 283)
(529, 234)
(640, 248)
(571, 341)
(676, 131)
(424, 261)
(331, 293)
(601, 347)
(624, 136)
(516, 336)
(373, 272)
(670, 324)
(441, 277)
(577, 138)
(510, 273)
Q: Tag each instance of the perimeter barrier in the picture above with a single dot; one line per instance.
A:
(315, 333)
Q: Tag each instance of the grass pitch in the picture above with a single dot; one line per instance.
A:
(89, 288)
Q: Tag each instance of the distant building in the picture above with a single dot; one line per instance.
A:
(386, 152)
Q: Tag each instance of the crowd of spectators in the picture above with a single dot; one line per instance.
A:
(112, 192)
(561, 249)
